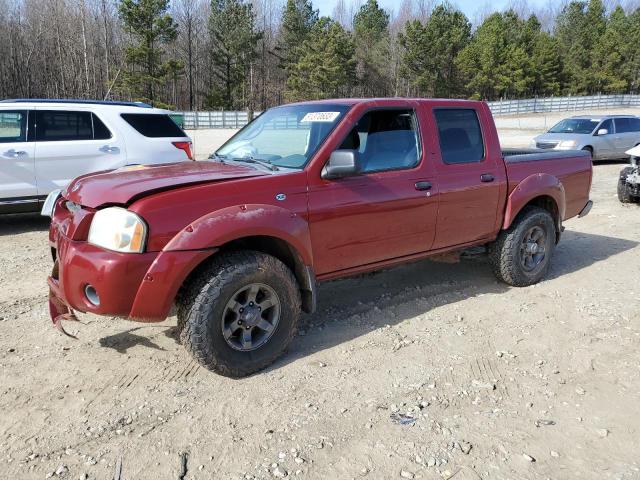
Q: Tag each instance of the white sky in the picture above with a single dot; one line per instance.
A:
(469, 7)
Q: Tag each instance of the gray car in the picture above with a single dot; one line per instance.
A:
(604, 136)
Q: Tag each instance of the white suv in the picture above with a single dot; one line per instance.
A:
(44, 144)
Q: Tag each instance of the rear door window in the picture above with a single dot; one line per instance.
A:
(635, 124)
(58, 126)
(100, 130)
(153, 125)
(623, 125)
(13, 126)
(460, 135)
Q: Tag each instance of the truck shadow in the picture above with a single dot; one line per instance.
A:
(353, 307)
(123, 341)
(13, 224)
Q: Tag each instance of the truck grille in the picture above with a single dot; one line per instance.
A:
(546, 145)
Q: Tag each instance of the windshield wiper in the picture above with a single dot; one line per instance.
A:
(264, 163)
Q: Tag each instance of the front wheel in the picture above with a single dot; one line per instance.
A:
(239, 314)
(521, 255)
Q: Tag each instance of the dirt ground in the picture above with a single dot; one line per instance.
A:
(427, 371)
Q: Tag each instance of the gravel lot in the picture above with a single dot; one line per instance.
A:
(429, 371)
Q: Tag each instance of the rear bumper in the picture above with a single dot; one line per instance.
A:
(140, 287)
(587, 208)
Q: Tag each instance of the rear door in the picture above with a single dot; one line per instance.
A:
(634, 133)
(70, 143)
(625, 137)
(471, 180)
(17, 175)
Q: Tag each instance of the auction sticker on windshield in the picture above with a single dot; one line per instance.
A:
(320, 117)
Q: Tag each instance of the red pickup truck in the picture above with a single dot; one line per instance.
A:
(305, 193)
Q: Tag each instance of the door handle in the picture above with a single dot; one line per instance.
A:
(423, 186)
(14, 154)
(109, 149)
(486, 178)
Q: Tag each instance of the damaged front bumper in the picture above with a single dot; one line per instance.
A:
(140, 287)
(58, 308)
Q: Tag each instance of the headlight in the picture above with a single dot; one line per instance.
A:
(567, 144)
(118, 229)
(533, 144)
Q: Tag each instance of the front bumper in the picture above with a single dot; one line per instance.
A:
(140, 287)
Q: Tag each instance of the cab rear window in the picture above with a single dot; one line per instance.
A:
(153, 125)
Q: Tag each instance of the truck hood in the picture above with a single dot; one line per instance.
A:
(123, 186)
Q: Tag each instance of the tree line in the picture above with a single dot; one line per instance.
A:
(250, 55)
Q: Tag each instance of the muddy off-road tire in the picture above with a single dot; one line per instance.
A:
(239, 313)
(624, 192)
(521, 255)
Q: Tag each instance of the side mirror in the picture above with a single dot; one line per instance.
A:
(342, 163)
(602, 131)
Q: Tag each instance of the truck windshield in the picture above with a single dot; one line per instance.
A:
(284, 136)
(575, 125)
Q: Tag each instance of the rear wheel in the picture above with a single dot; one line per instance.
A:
(624, 192)
(239, 314)
(521, 255)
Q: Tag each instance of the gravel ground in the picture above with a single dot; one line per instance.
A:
(431, 371)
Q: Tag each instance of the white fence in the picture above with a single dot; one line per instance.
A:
(238, 119)
(563, 104)
(230, 119)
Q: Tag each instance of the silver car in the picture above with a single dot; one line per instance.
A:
(604, 136)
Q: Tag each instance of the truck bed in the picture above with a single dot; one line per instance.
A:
(571, 167)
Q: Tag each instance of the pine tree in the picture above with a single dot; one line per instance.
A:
(430, 51)
(298, 19)
(633, 57)
(372, 43)
(151, 28)
(611, 54)
(234, 41)
(547, 66)
(482, 62)
(326, 67)
(502, 59)
(578, 29)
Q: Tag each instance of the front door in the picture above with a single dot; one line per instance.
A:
(17, 176)
(471, 184)
(387, 211)
(605, 145)
(70, 144)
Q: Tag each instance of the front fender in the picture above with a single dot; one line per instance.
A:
(534, 186)
(232, 223)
